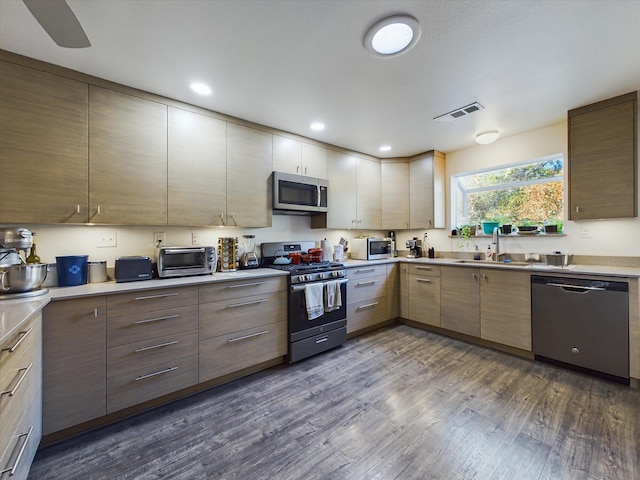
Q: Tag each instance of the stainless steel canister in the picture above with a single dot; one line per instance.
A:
(97, 271)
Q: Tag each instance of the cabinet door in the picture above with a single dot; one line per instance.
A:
(460, 300)
(505, 307)
(287, 155)
(127, 159)
(427, 191)
(424, 299)
(341, 172)
(369, 201)
(197, 169)
(74, 362)
(603, 159)
(43, 147)
(314, 161)
(395, 194)
(249, 167)
(404, 290)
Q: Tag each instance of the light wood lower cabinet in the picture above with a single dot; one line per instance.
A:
(74, 362)
(424, 294)
(242, 323)
(460, 300)
(366, 296)
(21, 399)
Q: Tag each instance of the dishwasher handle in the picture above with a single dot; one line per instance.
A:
(575, 288)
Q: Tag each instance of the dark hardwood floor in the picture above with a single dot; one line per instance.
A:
(398, 403)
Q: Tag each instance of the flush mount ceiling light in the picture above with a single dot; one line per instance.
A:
(392, 36)
(200, 88)
(385, 148)
(487, 137)
(317, 126)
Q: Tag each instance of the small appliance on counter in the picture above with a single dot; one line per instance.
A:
(415, 248)
(249, 259)
(371, 248)
(133, 269)
(186, 261)
(18, 278)
(228, 254)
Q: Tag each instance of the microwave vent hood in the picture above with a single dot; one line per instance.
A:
(299, 194)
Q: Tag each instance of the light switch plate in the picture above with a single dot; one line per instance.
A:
(585, 232)
(108, 239)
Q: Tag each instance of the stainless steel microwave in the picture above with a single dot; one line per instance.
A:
(299, 195)
(371, 248)
(184, 261)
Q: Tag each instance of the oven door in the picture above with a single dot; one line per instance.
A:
(300, 327)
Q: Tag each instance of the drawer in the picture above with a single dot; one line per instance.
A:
(24, 340)
(143, 301)
(359, 289)
(424, 299)
(214, 292)
(366, 314)
(134, 356)
(147, 383)
(232, 315)
(134, 328)
(24, 438)
(366, 271)
(424, 270)
(228, 353)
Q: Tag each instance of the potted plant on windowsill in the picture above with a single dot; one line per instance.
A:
(465, 232)
(489, 224)
(553, 227)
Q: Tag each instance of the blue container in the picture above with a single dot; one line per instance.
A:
(72, 270)
(487, 227)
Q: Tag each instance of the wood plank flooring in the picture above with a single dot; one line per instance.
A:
(398, 403)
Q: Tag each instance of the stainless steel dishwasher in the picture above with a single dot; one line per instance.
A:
(582, 322)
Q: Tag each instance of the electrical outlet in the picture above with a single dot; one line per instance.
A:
(159, 239)
(585, 232)
(195, 238)
(108, 239)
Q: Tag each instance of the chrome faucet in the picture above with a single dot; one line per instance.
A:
(496, 245)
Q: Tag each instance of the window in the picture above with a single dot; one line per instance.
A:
(523, 194)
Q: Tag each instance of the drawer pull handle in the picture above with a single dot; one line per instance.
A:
(17, 344)
(252, 302)
(322, 340)
(168, 317)
(13, 469)
(366, 270)
(144, 349)
(167, 370)
(368, 305)
(231, 340)
(423, 268)
(365, 284)
(22, 377)
(241, 285)
(423, 280)
(150, 297)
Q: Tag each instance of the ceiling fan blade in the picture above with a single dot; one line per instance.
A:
(59, 21)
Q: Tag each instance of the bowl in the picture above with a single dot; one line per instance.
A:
(22, 278)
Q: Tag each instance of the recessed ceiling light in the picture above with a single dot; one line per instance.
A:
(317, 126)
(201, 88)
(392, 36)
(385, 148)
(487, 137)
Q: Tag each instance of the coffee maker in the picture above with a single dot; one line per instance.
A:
(415, 248)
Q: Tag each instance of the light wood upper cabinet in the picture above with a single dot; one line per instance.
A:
(395, 194)
(249, 167)
(427, 191)
(197, 169)
(127, 159)
(369, 198)
(603, 165)
(293, 156)
(43, 147)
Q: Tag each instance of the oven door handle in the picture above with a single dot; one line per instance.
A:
(300, 288)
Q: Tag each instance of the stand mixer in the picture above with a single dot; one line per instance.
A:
(13, 241)
(415, 248)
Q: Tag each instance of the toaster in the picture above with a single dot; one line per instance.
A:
(133, 269)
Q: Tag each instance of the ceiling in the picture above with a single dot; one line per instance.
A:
(287, 63)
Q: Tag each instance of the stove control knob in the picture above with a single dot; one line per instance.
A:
(301, 278)
(324, 275)
(336, 274)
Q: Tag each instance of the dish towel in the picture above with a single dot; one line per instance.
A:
(313, 295)
(333, 298)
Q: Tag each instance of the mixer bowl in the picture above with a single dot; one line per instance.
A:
(22, 278)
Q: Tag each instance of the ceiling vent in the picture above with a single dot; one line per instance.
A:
(459, 113)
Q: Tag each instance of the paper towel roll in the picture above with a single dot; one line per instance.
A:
(327, 251)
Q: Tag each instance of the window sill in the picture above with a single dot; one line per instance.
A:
(514, 235)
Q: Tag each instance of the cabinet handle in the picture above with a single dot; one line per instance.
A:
(240, 285)
(99, 210)
(13, 468)
(322, 340)
(168, 317)
(150, 297)
(95, 312)
(252, 302)
(368, 305)
(297, 168)
(77, 208)
(577, 209)
(366, 270)
(167, 370)
(17, 344)
(423, 280)
(365, 284)
(484, 276)
(305, 170)
(22, 377)
(231, 340)
(475, 276)
(423, 268)
(160, 345)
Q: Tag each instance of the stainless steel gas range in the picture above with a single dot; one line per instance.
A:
(317, 299)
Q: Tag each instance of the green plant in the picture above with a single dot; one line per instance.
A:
(466, 231)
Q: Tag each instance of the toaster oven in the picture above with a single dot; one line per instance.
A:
(185, 261)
